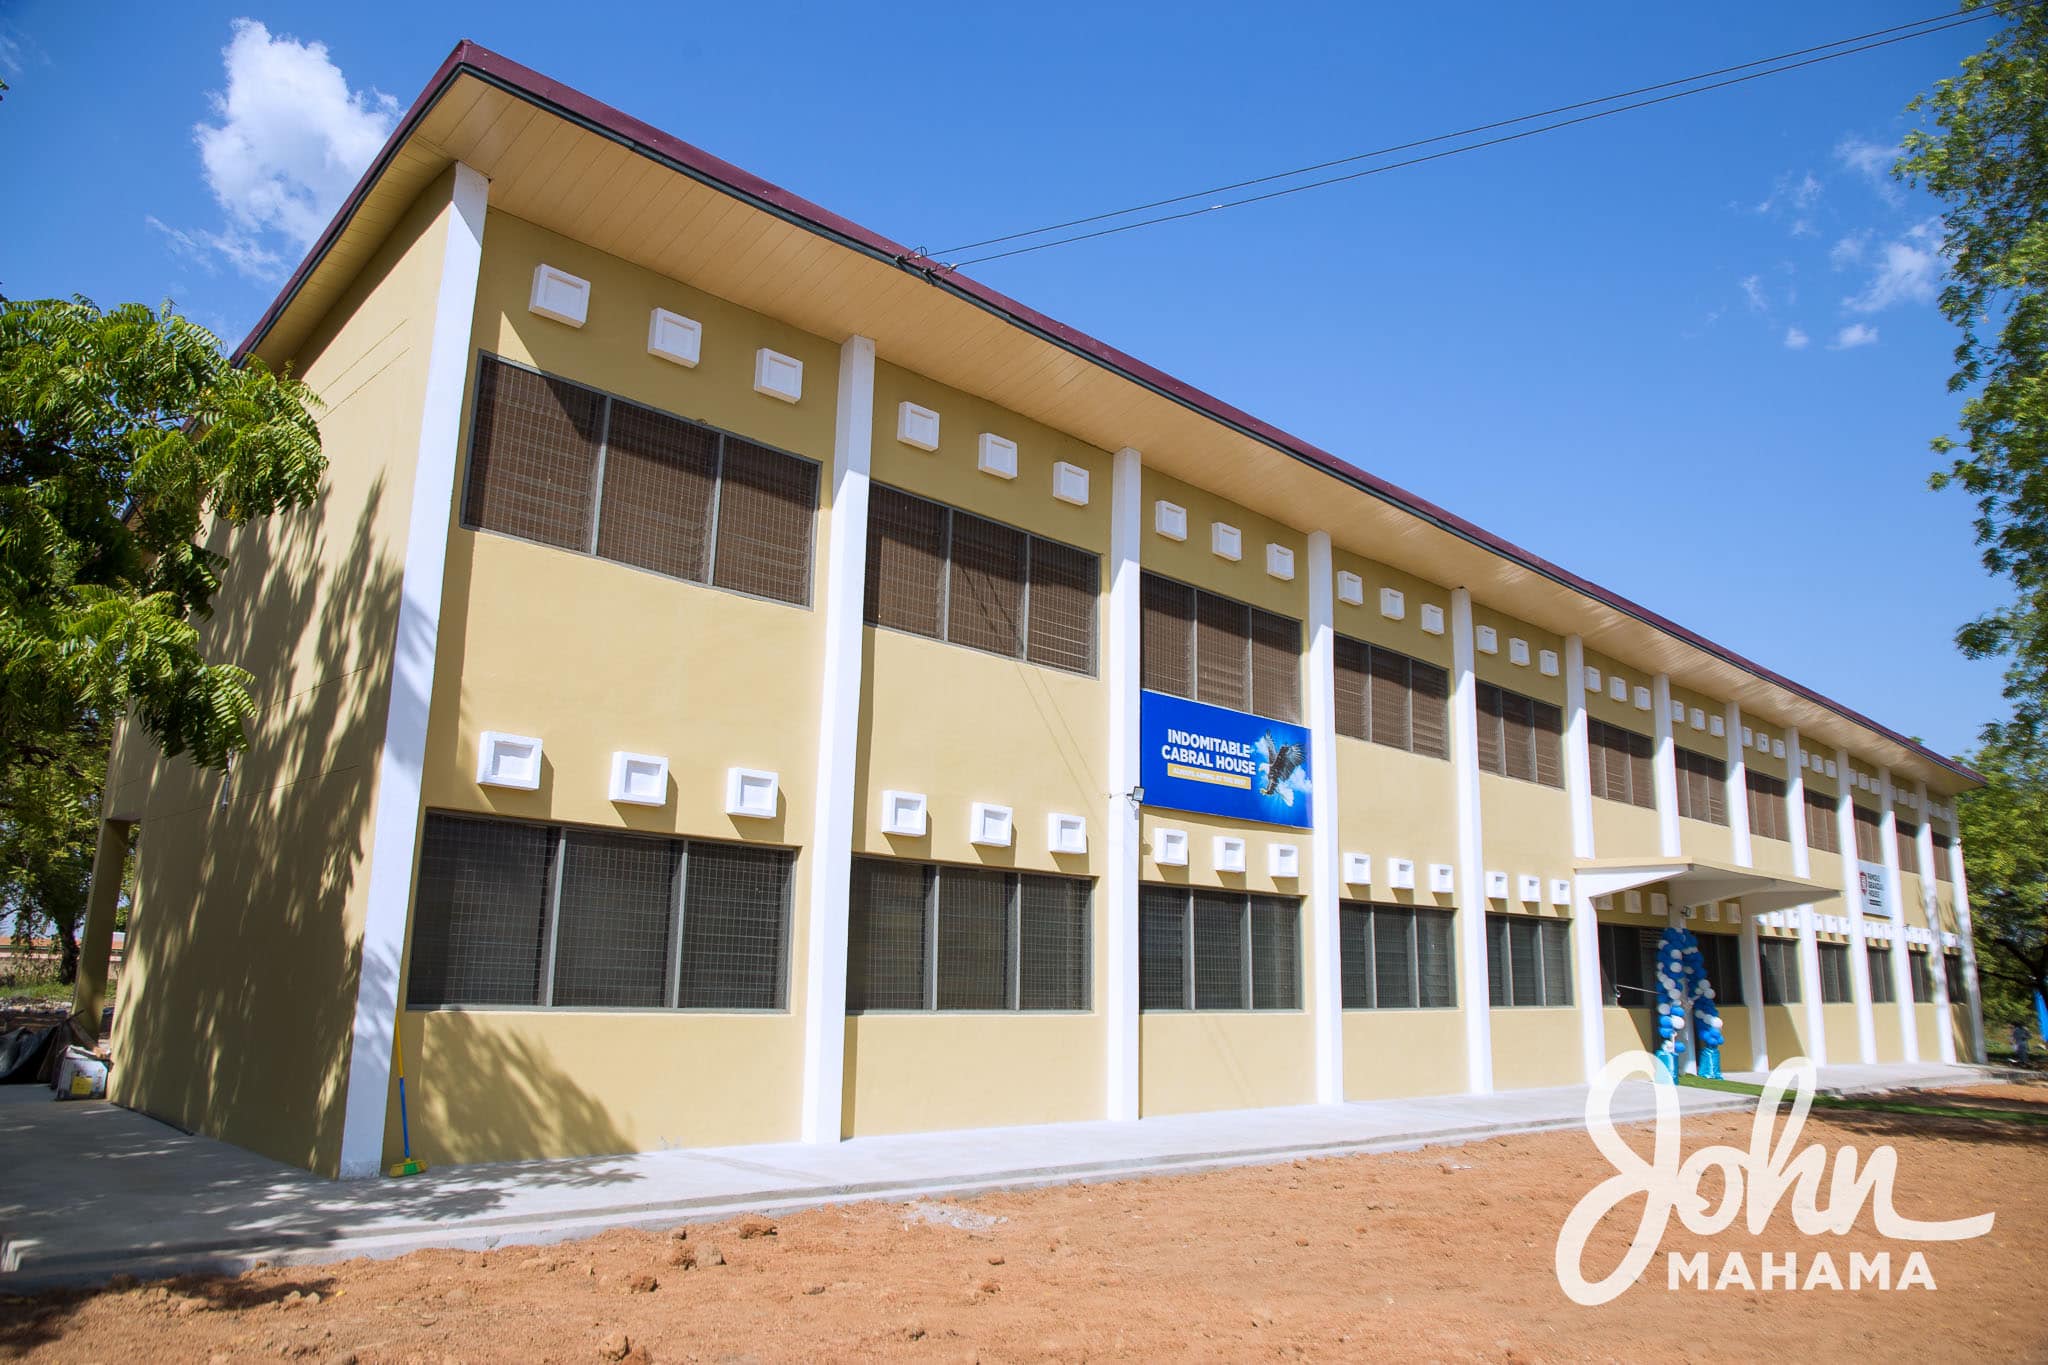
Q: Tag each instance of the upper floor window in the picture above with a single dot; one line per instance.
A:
(1909, 848)
(1620, 761)
(1520, 737)
(1869, 834)
(1391, 699)
(1702, 787)
(1942, 844)
(949, 575)
(1769, 817)
(1212, 649)
(1823, 835)
(565, 465)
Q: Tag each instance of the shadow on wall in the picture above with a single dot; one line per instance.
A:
(489, 1094)
(247, 926)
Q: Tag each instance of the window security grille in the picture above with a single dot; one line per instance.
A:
(1952, 965)
(1823, 835)
(945, 574)
(1702, 787)
(1942, 844)
(1834, 974)
(1214, 950)
(1878, 957)
(1528, 961)
(923, 937)
(1869, 836)
(564, 465)
(1620, 761)
(1769, 817)
(1394, 957)
(509, 913)
(1779, 960)
(1520, 737)
(1212, 649)
(1923, 976)
(1909, 847)
(1391, 699)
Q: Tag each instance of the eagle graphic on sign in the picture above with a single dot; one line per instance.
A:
(1281, 762)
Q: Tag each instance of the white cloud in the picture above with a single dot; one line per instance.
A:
(1849, 250)
(1852, 336)
(1753, 290)
(1873, 161)
(1908, 271)
(291, 141)
(293, 138)
(1796, 340)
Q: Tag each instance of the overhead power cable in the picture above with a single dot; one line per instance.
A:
(1772, 66)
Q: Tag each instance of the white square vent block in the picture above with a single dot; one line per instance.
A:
(504, 760)
(1831, 767)
(1734, 913)
(1777, 748)
(990, 826)
(995, 455)
(751, 792)
(1763, 742)
(1713, 912)
(1660, 904)
(1432, 618)
(1748, 736)
(1678, 711)
(1603, 902)
(1496, 886)
(1066, 833)
(1561, 891)
(1518, 651)
(1358, 869)
(1350, 588)
(1170, 847)
(1170, 519)
(1279, 561)
(903, 813)
(1617, 688)
(1393, 604)
(916, 426)
(675, 338)
(778, 375)
(1442, 879)
(1699, 719)
(639, 779)
(1529, 889)
(1283, 860)
(1642, 699)
(1225, 541)
(1486, 639)
(559, 295)
(1401, 874)
(1546, 663)
(1632, 902)
(1229, 853)
(1592, 678)
(1070, 483)
(1716, 726)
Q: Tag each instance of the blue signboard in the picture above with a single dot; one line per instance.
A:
(1215, 761)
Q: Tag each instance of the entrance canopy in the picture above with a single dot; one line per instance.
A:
(1696, 881)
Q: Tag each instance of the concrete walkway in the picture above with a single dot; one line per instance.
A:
(92, 1189)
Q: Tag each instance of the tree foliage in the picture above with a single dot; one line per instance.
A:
(1985, 157)
(2005, 831)
(125, 438)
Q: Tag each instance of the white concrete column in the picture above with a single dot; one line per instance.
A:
(1895, 902)
(1930, 910)
(1745, 856)
(1471, 850)
(1665, 769)
(1960, 878)
(1578, 785)
(1326, 873)
(831, 850)
(395, 819)
(1852, 907)
(1809, 946)
(1120, 865)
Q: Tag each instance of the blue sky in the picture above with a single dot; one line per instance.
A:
(1690, 352)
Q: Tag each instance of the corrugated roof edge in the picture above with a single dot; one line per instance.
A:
(702, 165)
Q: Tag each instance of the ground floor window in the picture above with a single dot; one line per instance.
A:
(1217, 950)
(1396, 958)
(1923, 976)
(512, 913)
(1528, 961)
(1628, 966)
(1878, 956)
(924, 937)
(1778, 964)
(1722, 954)
(1952, 963)
(1834, 974)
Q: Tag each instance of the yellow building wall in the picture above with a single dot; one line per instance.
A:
(1535, 1047)
(272, 883)
(1911, 905)
(1772, 857)
(1601, 705)
(1499, 667)
(1363, 620)
(1525, 828)
(1195, 1061)
(1394, 804)
(909, 1073)
(1392, 1054)
(1192, 560)
(1839, 1023)
(1700, 839)
(1784, 1034)
(1629, 1030)
(1624, 831)
(1201, 871)
(1891, 1041)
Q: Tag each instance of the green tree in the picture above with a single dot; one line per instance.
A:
(126, 436)
(1984, 155)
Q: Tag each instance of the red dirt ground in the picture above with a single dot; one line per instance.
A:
(1444, 1253)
